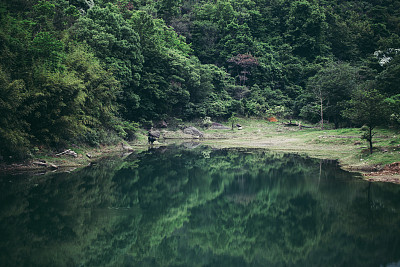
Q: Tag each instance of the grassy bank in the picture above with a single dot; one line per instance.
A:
(344, 145)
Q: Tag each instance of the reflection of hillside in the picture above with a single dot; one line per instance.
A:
(243, 199)
(178, 207)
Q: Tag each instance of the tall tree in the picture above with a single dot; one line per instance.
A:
(332, 86)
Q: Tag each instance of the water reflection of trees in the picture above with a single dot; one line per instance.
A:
(179, 207)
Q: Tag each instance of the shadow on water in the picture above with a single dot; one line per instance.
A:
(190, 205)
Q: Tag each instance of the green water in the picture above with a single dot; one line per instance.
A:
(199, 207)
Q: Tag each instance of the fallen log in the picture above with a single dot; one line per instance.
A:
(290, 124)
(46, 165)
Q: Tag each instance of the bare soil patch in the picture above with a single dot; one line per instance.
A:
(390, 173)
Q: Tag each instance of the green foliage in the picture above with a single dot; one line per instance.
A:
(127, 130)
(14, 140)
(43, 13)
(46, 47)
(100, 86)
(102, 65)
(393, 104)
(305, 29)
(388, 81)
(279, 111)
(67, 104)
(99, 137)
(113, 40)
(331, 87)
(232, 120)
(367, 108)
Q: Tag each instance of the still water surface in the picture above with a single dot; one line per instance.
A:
(175, 206)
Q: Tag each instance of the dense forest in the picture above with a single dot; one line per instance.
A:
(92, 71)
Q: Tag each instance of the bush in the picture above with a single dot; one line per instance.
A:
(127, 130)
(14, 145)
(100, 137)
(174, 123)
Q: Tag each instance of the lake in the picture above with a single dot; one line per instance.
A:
(191, 205)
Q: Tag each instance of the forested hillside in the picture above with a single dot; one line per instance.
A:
(89, 71)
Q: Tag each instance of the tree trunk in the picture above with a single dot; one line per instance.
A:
(336, 124)
(322, 115)
(370, 139)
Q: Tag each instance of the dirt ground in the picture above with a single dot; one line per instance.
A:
(390, 173)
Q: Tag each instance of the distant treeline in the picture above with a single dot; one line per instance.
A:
(92, 71)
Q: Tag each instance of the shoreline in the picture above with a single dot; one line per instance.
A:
(310, 143)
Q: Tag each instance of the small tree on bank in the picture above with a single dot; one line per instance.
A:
(233, 119)
(367, 107)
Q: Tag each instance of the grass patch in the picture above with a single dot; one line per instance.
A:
(345, 145)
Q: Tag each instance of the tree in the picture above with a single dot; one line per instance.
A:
(367, 108)
(321, 96)
(393, 103)
(243, 63)
(116, 43)
(205, 36)
(237, 39)
(168, 9)
(332, 86)
(70, 104)
(388, 81)
(46, 47)
(233, 119)
(14, 138)
(305, 29)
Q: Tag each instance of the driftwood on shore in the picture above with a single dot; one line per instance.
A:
(46, 165)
